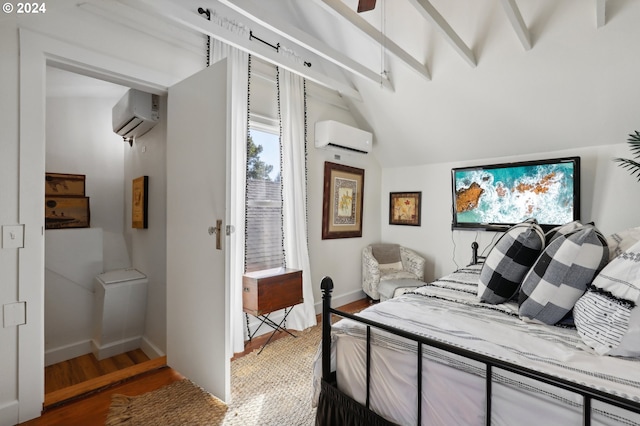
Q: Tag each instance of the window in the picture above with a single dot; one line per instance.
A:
(263, 232)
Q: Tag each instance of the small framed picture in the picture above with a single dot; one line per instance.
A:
(404, 208)
(66, 212)
(342, 201)
(139, 201)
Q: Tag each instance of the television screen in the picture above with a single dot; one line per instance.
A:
(495, 197)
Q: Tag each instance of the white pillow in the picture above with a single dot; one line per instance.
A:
(621, 241)
(607, 316)
(396, 266)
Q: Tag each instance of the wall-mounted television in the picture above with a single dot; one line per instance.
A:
(497, 196)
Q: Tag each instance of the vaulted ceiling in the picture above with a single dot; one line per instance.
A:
(442, 80)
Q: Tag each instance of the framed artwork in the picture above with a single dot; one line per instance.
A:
(139, 213)
(404, 208)
(66, 212)
(342, 201)
(64, 185)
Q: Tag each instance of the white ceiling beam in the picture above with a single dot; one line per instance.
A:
(191, 19)
(430, 13)
(515, 17)
(340, 9)
(279, 26)
(601, 16)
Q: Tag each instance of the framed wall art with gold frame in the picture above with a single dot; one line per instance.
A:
(342, 201)
(139, 201)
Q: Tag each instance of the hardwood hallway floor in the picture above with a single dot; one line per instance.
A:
(86, 367)
(91, 407)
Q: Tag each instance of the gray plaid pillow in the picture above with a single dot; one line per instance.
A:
(561, 275)
(558, 231)
(508, 262)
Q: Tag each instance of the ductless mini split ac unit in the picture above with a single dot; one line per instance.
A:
(135, 114)
(333, 134)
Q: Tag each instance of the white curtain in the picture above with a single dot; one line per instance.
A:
(238, 174)
(294, 193)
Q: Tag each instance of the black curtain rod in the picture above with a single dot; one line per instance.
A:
(276, 47)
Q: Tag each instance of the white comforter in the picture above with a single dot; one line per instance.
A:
(448, 310)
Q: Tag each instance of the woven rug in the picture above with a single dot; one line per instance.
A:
(272, 388)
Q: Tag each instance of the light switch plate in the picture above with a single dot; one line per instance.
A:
(12, 236)
(14, 314)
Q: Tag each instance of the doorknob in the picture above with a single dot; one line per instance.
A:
(218, 231)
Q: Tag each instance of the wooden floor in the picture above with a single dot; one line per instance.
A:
(92, 407)
(86, 367)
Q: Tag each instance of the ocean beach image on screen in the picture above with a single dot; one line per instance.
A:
(509, 195)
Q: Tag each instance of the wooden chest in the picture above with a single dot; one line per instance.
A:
(270, 290)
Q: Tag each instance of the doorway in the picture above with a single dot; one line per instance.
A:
(80, 141)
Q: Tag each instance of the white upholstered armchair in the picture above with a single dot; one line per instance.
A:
(382, 262)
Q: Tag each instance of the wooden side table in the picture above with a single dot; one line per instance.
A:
(264, 292)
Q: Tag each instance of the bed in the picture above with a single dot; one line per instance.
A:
(440, 342)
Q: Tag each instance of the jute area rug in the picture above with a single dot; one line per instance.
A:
(273, 388)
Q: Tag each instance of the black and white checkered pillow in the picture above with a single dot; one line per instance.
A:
(561, 275)
(561, 230)
(508, 262)
(607, 316)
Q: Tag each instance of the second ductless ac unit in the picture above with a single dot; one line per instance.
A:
(333, 134)
(135, 114)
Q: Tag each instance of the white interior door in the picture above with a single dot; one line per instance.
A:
(197, 291)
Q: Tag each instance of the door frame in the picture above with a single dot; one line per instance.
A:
(36, 52)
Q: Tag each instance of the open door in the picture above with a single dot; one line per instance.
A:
(197, 290)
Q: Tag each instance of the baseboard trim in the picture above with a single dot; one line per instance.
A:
(341, 300)
(63, 353)
(9, 413)
(150, 350)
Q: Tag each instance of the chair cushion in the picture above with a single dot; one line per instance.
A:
(388, 288)
(397, 266)
(386, 253)
(395, 274)
(508, 262)
(561, 275)
(607, 316)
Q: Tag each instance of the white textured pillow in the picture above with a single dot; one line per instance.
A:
(607, 317)
(621, 241)
(396, 266)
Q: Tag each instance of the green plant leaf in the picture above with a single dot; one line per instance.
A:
(634, 145)
(632, 166)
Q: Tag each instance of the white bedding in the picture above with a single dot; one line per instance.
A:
(453, 388)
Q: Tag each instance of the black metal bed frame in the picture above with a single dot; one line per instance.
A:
(328, 378)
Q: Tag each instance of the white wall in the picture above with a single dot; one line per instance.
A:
(66, 21)
(608, 198)
(147, 157)
(338, 258)
(9, 216)
(80, 140)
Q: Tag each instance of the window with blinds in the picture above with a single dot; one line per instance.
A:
(263, 232)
